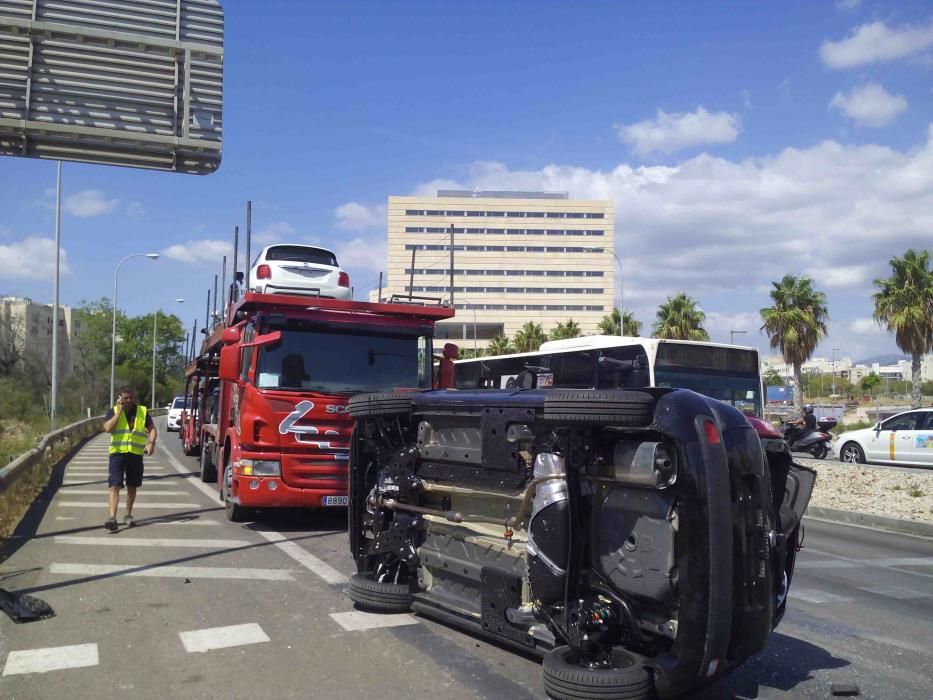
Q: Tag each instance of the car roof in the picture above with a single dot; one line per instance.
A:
(298, 245)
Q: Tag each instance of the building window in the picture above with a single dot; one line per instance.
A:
(596, 216)
(515, 214)
(575, 215)
(495, 213)
(454, 213)
(475, 213)
(414, 212)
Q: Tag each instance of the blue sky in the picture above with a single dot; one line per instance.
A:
(739, 141)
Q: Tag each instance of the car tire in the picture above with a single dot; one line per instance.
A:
(564, 679)
(611, 407)
(373, 596)
(852, 453)
(386, 404)
(235, 512)
(208, 470)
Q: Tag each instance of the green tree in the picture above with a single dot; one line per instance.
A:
(795, 322)
(470, 353)
(566, 329)
(904, 306)
(529, 337)
(870, 383)
(772, 378)
(500, 345)
(680, 319)
(620, 323)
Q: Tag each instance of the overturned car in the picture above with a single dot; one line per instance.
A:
(642, 541)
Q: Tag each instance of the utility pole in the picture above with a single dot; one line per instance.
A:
(732, 336)
(380, 288)
(452, 267)
(834, 370)
(53, 399)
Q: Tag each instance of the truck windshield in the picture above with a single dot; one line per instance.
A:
(333, 362)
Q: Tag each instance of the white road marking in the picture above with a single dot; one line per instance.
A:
(357, 620)
(104, 492)
(175, 506)
(109, 540)
(305, 558)
(51, 659)
(898, 592)
(860, 563)
(61, 517)
(157, 571)
(812, 595)
(197, 641)
(299, 554)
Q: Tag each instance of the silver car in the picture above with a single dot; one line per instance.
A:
(291, 268)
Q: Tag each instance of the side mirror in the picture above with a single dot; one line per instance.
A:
(230, 363)
(230, 335)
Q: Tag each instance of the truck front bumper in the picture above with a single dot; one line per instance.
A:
(273, 492)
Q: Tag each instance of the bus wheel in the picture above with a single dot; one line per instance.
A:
(606, 407)
(386, 404)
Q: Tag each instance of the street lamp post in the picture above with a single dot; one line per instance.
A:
(155, 318)
(732, 336)
(113, 332)
(621, 297)
(835, 350)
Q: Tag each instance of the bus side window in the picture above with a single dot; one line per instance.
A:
(623, 368)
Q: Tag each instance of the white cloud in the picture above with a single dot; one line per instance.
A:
(847, 4)
(32, 258)
(876, 42)
(88, 203)
(869, 105)
(672, 132)
(718, 325)
(842, 277)
(135, 210)
(210, 251)
(865, 326)
(275, 232)
(362, 253)
(354, 216)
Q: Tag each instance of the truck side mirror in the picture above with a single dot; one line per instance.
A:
(230, 335)
(230, 363)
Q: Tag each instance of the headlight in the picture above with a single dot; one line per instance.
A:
(260, 467)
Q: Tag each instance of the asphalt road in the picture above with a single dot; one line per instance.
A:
(189, 605)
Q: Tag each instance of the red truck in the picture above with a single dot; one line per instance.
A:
(269, 393)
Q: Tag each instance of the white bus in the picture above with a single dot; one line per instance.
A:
(728, 373)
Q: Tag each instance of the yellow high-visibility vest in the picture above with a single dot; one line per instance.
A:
(123, 440)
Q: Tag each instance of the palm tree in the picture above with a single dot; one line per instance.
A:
(567, 329)
(795, 323)
(904, 306)
(620, 323)
(529, 337)
(499, 345)
(680, 319)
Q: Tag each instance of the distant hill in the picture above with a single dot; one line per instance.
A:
(890, 359)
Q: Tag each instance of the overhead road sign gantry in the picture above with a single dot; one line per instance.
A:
(136, 83)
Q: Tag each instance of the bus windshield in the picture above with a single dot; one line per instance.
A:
(740, 391)
(333, 362)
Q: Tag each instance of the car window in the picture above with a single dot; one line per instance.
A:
(298, 253)
(926, 421)
(178, 403)
(905, 421)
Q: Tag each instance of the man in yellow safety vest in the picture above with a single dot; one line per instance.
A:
(132, 434)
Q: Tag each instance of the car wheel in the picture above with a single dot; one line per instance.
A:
(624, 679)
(208, 470)
(611, 407)
(373, 596)
(819, 450)
(388, 404)
(235, 513)
(852, 453)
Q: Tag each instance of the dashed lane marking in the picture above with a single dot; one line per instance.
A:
(812, 595)
(157, 571)
(357, 620)
(299, 554)
(199, 641)
(50, 659)
(861, 563)
(171, 506)
(104, 492)
(898, 592)
(110, 541)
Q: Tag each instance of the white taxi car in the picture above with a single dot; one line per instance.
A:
(905, 440)
(173, 419)
(291, 268)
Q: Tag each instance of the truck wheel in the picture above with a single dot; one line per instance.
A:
(208, 470)
(387, 404)
(235, 513)
(565, 679)
(373, 596)
(611, 407)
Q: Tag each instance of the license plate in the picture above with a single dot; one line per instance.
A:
(336, 501)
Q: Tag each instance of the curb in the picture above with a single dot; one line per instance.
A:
(880, 522)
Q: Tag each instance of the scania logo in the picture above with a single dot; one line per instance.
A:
(288, 423)
(337, 408)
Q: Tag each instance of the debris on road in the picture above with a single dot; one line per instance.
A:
(24, 608)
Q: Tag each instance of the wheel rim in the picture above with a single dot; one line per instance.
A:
(850, 455)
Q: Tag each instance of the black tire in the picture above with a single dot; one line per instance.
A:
(386, 404)
(566, 680)
(235, 513)
(819, 451)
(852, 453)
(610, 407)
(208, 470)
(373, 596)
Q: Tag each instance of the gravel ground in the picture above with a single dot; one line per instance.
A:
(895, 493)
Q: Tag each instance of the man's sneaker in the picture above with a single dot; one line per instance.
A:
(129, 520)
(111, 524)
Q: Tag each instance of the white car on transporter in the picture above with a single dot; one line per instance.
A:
(292, 268)
(903, 440)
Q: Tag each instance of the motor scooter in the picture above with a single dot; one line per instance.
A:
(814, 442)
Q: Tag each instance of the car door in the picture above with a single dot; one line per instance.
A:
(892, 443)
(921, 444)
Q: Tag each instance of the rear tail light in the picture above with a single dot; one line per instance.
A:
(263, 272)
(343, 279)
(712, 433)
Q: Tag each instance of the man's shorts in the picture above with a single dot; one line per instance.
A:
(126, 465)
